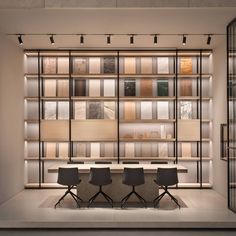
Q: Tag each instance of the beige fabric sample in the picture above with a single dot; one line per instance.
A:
(63, 150)
(109, 88)
(50, 109)
(146, 65)
(79, 66)
(80, 110)
(146, 110)
(109, 149)
(50, 150)
(163, 132)
(162, 149)
(146, 149)
(129, 65)
(63, 65)
(186, 65)
(109, 110)
(189, 130)
(162, 110)
(94, 65)
(129, 111)
(94, 88)
(81, 150)
(63, 110)
(163, 65)
(63, 88)
(186, 149)
(50, 88)
(49, 65)
(129, 149)
(95, 150)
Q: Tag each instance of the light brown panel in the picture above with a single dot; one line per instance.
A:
(49, 65)
(129, 65)
(189, 130)
(129, 111)
(186, 149)
(186, 87)
(55, 130)
(146, 87)
(63, 88)
(186, 65)
(87, 130)
(146, 65)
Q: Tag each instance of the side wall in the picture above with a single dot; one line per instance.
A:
(219, 115)
(11, 119)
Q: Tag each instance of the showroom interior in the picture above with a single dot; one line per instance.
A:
(117, 85)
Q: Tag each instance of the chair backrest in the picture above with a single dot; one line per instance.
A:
(100, 176)
(130, 162)
(68, 176)
(167, 176)
(159, 162)
(103, 162)
(133, 176)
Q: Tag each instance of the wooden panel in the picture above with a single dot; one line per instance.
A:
(57, 130)
(63, 88)
(146, 65)
(94, 65)
(189, 130)
(186, 87)
(80, 88)
(93, 130)
(146, 87)
(79, 66)
(129, 111)
(63, 150)
(49, 65)
(186, 149)
(186, 65)
(129, 65)
(129, 150)
(63, 65)
(50, 149)
(50, 87)
(95, 150)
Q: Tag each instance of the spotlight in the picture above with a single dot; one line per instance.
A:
(131, 39)
(109, 39)
(209, 39)
(52, 40)
(20, 40)
(184, 40)
(155, 39)
(81, 39)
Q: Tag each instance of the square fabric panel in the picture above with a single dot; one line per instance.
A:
(163, 110)
(63, 150)
(146, 87)
(129, 65)
(162, 88)
(163, 65)
(109, 87)
(94, 65)
(50, 150)
(109, 65)
(63, 88)
(186, 149)
(80, 110)
(129, 150)
(50, 88)
(95, 150)
(63, 110)
(109, 110)
(94, 88)
(63, 65)
(80, 87)
(146, 110)
(95, 110)
(49, 65)
(186, 111)
(146, 65)
(130, 88)
(146, 149)
(80, 150)
(185, 87)
(189, 130)
(50, 110)
(109, 149)
(162, 149)
(79, 66)
(186, 65)
(129, 111)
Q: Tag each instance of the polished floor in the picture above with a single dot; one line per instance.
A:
(35, 209)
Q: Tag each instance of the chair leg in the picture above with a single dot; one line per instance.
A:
(76, 200)
(80, 199)
(125, 199)
(173, 198)
(158, 197)
(58, 202)
(92, 199)
(109, 200)
(141, 199)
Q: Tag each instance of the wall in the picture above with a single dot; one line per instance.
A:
(219, 115)
(11, 119)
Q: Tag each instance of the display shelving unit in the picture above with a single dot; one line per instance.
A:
(87, 106)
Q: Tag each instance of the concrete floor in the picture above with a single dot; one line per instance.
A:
(34, 209)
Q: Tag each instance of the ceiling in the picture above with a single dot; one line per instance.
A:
(116, 21)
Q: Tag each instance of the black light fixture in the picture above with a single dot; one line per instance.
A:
(131, 39)
(109, 39)
(20, 39)
(52, 39)
(155, 39)
(81, 39)
(209, 39)
(184, 40)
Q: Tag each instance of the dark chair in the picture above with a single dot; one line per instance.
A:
(100, 177)
(130, 162)
(103, 162)
(159, 162)
(133, 177)
(165, 178)
(70, 178)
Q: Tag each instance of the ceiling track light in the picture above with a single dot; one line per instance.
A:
(52, 39)
(155, 39)
(81, 39)
(209, 39)
(20, 39)
(184, 40)
(109, 39)
(131, 39)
